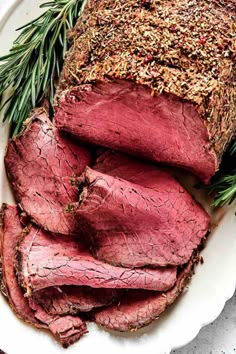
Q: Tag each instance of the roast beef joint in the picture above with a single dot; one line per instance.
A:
(102, 229)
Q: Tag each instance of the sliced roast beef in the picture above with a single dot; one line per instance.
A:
(134, 226)
(55, 301)
(41, 165)
(46, 260)
(66, 329)
(124, 116)
(139, 308)
(139, 79)
(10, 231)
(73, 299)
(136, 171)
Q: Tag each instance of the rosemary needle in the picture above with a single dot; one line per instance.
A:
(223, 184)
(35, 60)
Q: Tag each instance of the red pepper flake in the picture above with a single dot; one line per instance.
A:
(148, 59)
(203, 39)
(173, 28)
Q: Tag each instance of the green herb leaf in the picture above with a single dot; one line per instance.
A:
(36, 59)
(223, 184)
(225, 190)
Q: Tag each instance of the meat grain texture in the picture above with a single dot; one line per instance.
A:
(10, 231)
(71, 300)
(41, 166)
(66, 329)
(44, 260)
(171, 224)
(147, 79)
(139, 308)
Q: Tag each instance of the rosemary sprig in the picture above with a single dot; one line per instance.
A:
(35, 60)
(223, 184)
(225, 190)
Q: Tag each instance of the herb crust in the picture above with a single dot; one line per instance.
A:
(186, 48)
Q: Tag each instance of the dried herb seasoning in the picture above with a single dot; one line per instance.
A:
(186, 48)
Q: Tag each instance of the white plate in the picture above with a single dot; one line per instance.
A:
(213, 283)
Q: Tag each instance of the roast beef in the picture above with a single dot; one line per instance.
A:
(139, 308)
(55, 301)
(150, 81)
(10, 231)
(134, 226)
(66, 329)
(46, 260)
(41, 165)
(73, 299)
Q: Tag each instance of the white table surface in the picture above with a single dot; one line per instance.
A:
(218, 337)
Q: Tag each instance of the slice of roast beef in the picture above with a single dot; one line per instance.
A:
(66, 329)
(139, 308)
(133, 170)
(124, 116)
(66, 300)
(41, 165)
(134, 226)
(46, 260)
(10, 231)
(139, 79)
(55, 301)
